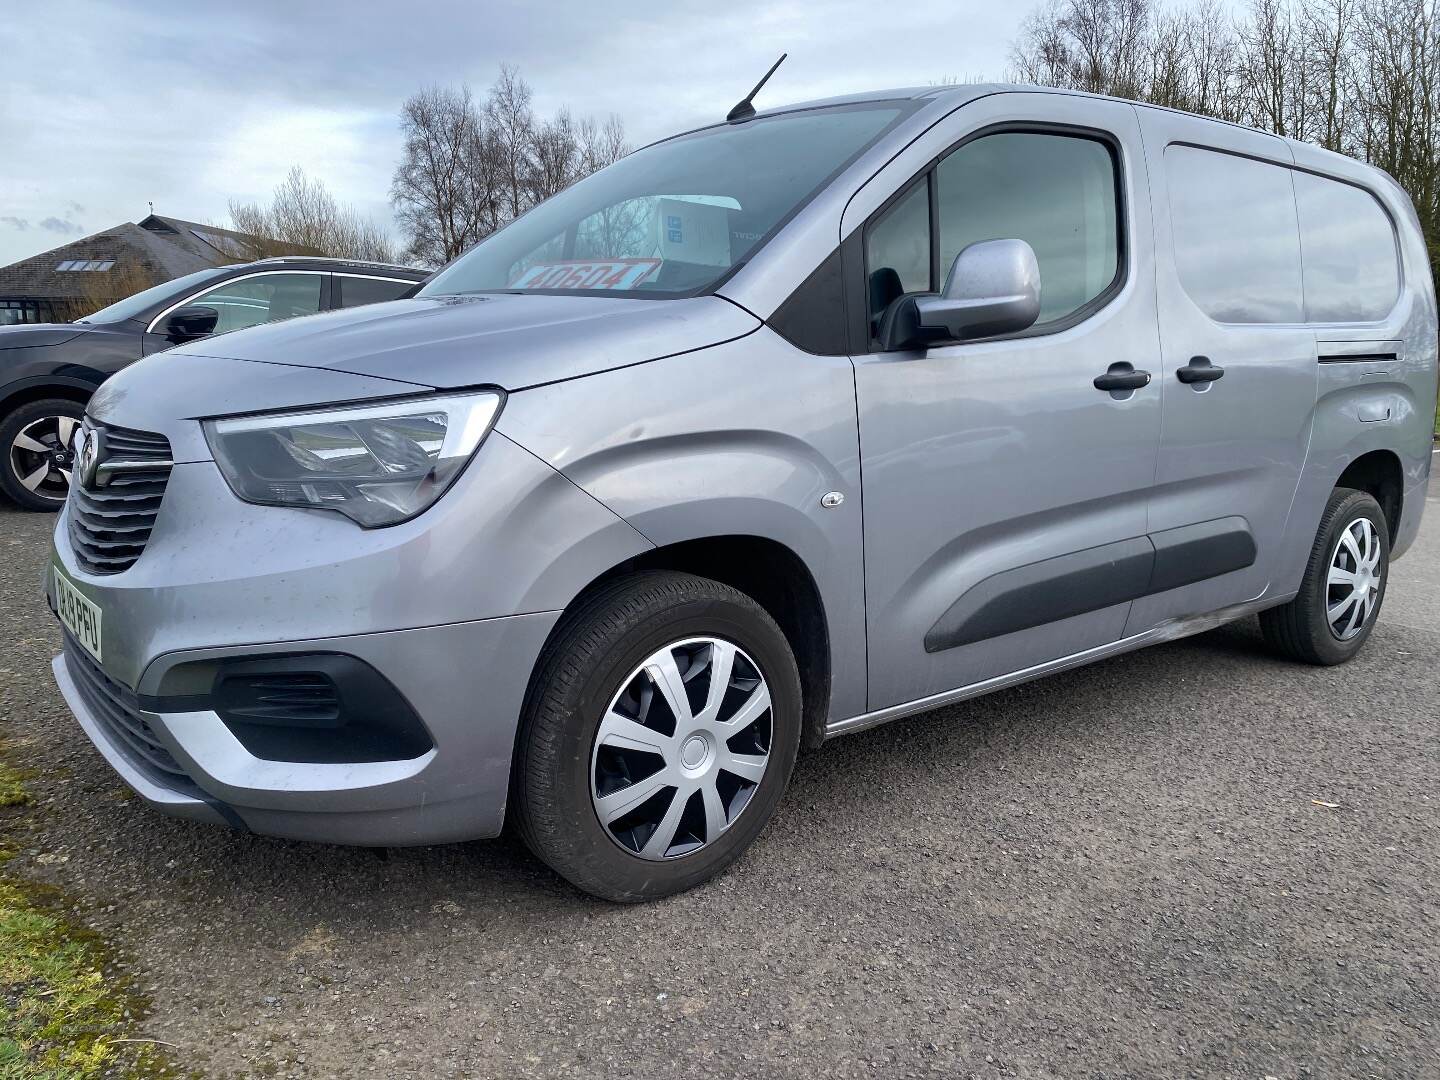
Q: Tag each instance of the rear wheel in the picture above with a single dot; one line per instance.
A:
(659, 736)
(1332, 615)
(37, 440)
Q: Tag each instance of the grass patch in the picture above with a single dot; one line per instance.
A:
(12, 788)
(61, 1016)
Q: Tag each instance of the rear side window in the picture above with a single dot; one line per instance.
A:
(1057, 193)
(1352, 270)
(355, 291)
(1237, 242)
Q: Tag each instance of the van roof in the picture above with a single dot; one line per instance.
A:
(958, 93)
(952, 95)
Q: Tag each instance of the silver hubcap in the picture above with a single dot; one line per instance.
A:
(681, 749)
(1352, 588)
(42, 456)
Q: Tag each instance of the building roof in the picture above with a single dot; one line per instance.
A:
(207, 240)
(162, 248)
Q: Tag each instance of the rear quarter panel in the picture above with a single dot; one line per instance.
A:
(1363, 406)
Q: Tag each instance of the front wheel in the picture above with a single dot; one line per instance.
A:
(1339, 600)
(658, 738)
(37, 441)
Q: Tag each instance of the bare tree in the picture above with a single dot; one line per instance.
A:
(601, 144)
(440, 190)
(555, 150)
(1100, 46)
(304, 218)
(1326, 30)
(1272, 68)
(470, 167)
(1212, 62)
(511, 124)
(1358, 76)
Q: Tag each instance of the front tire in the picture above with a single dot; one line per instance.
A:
(1339, 600)
(35, 452)
(658, 736)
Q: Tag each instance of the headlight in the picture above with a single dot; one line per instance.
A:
(378, 464)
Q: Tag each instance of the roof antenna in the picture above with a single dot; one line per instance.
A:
(744, 110)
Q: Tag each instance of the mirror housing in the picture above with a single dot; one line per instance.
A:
(190, 322)
(993, 288)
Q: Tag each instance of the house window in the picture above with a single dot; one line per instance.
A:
(21, 311)
(86, 264)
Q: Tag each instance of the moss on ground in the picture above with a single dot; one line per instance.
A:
(12, 787)
(63, 1016)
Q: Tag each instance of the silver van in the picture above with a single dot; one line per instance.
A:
(773, 431)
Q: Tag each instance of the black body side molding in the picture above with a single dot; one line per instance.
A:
(1193, 553)
(1099, 577)
(1045, 591)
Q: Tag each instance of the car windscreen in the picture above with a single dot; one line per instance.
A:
(674, 218)
(133, 306)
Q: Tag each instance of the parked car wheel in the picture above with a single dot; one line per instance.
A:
(37, 439)
(1339, 600)
(658, 738)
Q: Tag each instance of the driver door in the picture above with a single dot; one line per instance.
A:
(1005, 496)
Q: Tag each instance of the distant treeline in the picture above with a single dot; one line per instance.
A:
(1358, 76)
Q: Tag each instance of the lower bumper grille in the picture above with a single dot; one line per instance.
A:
(116, 708)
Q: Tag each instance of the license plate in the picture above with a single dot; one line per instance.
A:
(80, 616)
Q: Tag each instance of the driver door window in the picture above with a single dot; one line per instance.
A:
(267, 298)
(1055, 192)
(1058, 193)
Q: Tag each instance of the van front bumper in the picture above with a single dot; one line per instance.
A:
(465, 681)
(450, 609)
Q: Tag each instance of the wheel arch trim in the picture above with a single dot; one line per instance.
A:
(68, 386)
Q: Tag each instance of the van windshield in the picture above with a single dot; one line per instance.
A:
(674, 218)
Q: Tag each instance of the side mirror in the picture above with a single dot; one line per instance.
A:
(191, 322)
(993, 288)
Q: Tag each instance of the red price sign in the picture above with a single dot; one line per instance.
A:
(586, 274)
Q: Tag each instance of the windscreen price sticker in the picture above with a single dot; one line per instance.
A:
(586, 274)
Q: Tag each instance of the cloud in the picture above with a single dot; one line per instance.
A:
(290, 84)
(57, 225)
(19, 223)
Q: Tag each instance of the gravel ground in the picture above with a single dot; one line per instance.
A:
(1119, 871)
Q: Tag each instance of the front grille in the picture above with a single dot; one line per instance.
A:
(117, 710)
(110, 523)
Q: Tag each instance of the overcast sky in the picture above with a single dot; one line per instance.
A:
(106, 106)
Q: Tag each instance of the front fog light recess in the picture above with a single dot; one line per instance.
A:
(378, 464)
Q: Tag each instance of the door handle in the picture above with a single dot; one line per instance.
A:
(1199, 370)
(1122, 376)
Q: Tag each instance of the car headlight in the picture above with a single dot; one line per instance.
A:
(378, 464)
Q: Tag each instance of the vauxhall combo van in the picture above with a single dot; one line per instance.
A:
(770, 432)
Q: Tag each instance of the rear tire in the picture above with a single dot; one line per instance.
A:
(608, 660)
(31, 474)
(1331, 617)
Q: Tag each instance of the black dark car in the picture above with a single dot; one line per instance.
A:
(49, 370)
